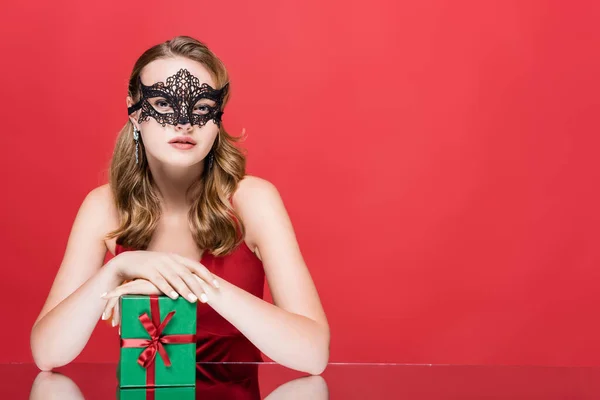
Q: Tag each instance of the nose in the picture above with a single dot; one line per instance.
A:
(184, 124)
(183, 119)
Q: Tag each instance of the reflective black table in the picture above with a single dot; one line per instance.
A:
(339, 381)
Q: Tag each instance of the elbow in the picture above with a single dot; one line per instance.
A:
(321, 358)
(40, 351)
(37, 352)
(43, 367)
(312, 355)
(42, 361)
(314, 360)
(45, 363)
(318, 367)
(39, 360)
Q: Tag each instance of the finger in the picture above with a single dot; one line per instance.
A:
(204, 285)
(137, 286)
(172, 272)
(116, 313)
(158, 280)
(106, 312)
(146, 287)
(109, 309)
(118, 291)
(196, 284)
(198, 269)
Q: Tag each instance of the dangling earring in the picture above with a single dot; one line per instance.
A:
(210, 159)
(211, 156)
(136, 137)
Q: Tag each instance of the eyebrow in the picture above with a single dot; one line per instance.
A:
(164, 82)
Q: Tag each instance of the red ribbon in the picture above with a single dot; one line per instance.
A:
(157, 340)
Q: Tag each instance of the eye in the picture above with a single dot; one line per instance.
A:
(161, 105)
(202, 109)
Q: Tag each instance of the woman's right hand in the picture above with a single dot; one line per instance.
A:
(169, 272)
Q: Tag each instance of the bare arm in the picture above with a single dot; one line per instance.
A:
(294, 330)
(74, 306)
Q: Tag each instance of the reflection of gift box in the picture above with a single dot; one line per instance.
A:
(158, 342)
(159, 393)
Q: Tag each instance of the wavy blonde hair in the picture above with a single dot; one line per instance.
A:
(212, 220)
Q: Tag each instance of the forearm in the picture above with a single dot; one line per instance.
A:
(60, 335)
(289, 339)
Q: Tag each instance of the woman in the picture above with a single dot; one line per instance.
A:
(184, 220)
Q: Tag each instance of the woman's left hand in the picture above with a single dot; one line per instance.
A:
(136, 286)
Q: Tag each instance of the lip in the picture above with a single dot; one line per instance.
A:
(182, 146)
(182, 139)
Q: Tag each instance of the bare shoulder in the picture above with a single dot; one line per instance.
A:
(101, 207)
(254, 200)
(107, 210)
(251, 192)
(98, 212)
(105, 203)
(250, 184)
(101, 195)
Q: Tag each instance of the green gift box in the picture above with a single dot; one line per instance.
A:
(158, 342)
(161, 393)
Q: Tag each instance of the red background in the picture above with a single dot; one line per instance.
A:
(438, 160)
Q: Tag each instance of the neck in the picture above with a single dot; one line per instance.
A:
(173, 181)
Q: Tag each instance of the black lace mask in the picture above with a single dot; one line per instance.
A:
(180, 101)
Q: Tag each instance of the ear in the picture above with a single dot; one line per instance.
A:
(133, 117)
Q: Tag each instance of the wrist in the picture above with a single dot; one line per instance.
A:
(114, 271)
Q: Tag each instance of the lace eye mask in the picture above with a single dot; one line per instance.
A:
(181, 100)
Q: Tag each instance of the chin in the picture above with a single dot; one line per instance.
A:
(179, 160)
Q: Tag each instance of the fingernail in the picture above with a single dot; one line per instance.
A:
(114, 323)
(203, 298)
(103, 294)
(192, 297)
(216, 283)
(103, 316)
(174, 294)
